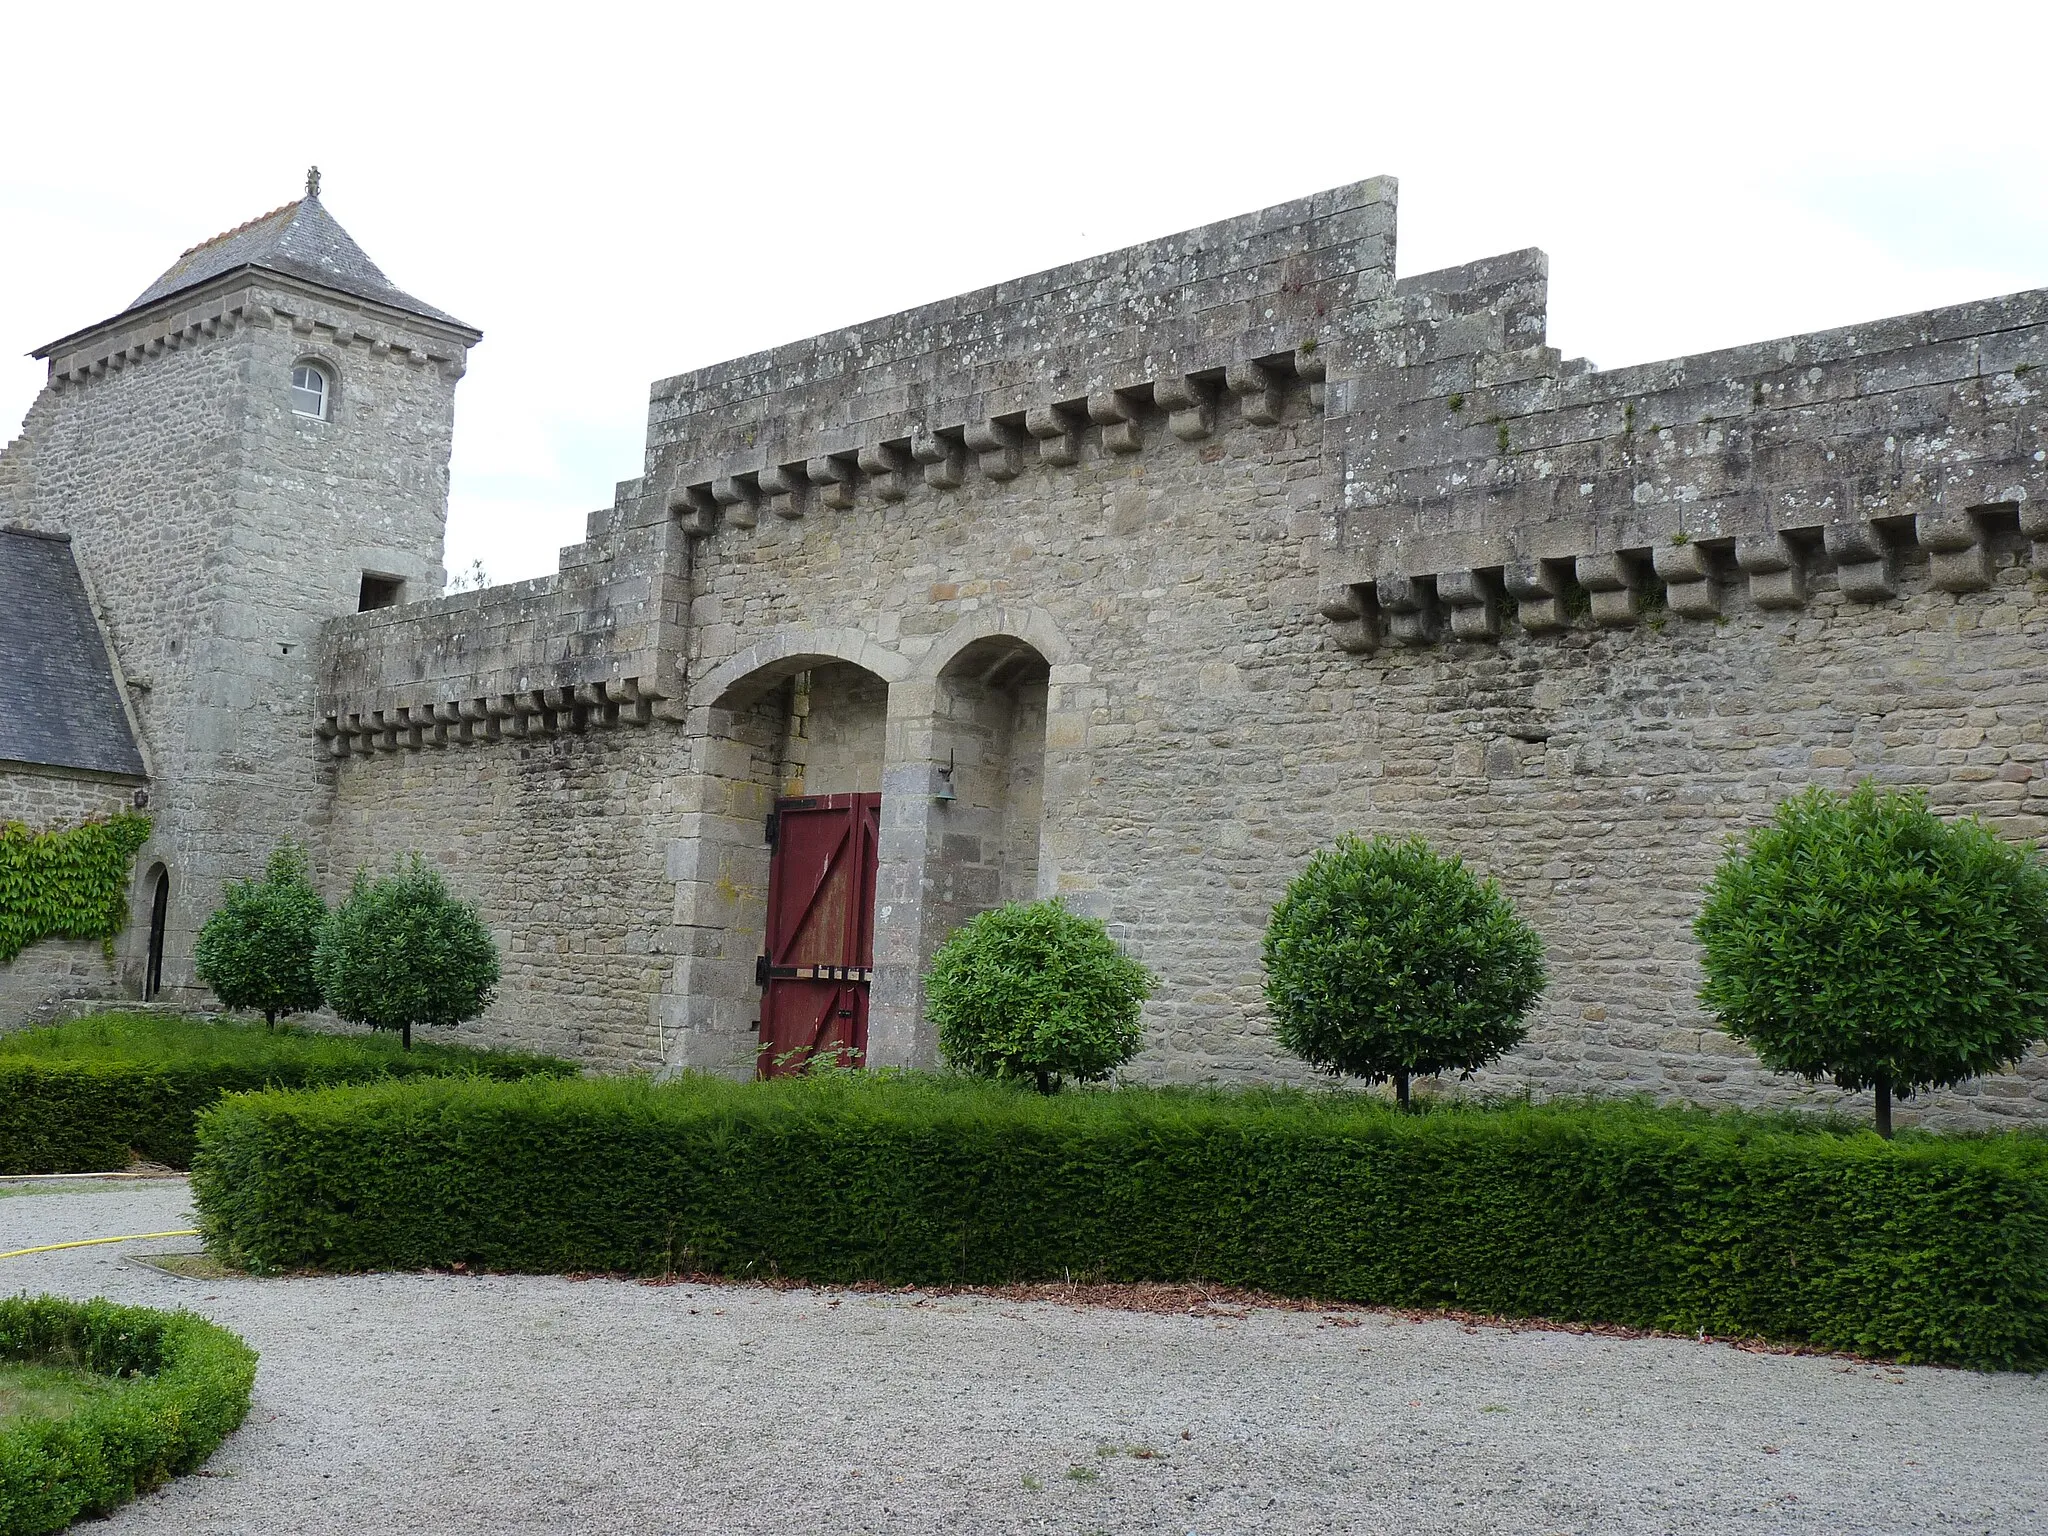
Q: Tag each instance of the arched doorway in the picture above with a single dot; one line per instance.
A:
(781, 875)
(159, 917)
(988, 751)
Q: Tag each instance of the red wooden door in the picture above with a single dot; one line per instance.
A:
(821, 930)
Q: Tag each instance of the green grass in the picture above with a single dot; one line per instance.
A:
(157, 1040)
(48, 1391)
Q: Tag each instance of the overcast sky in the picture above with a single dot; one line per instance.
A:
(617, 193)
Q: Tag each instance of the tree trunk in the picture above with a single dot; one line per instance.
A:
(405, 1034)
(270, 1018)
(1045, 1082)
(1883, 1087)
(1401, 1090)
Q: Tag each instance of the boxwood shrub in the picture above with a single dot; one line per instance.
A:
(185, 1388)
(1927, 1248)
(85, 1097)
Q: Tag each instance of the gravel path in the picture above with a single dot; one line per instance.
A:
(421, 1403)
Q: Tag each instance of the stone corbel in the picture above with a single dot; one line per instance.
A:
(783, 485)
(1191, 414)
(329, 730)
(1958, 555)
(1777, 575)
(478, 722)
(1863, 561)
(635, 706)
(695, 508)
(446, 729)
(886, 467)
(943, 458)
(1691, 584)
(1473, 600)
(537, 717)
(592, 705)
(1614, 584)
(1353, 613)
(738, 498)
(833, 476)
(1118, 418)
(997, 446)
(1259, 393)
(510, 717)
(1538, 588)
(1309, 367)
(1409, 602)
(1058, 434)
(2034, 524)
(571, 713)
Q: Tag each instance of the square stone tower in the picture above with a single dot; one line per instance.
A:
(258, 444)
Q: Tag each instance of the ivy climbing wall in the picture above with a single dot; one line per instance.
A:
(48, 970)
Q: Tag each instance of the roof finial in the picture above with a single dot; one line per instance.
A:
(312, 181)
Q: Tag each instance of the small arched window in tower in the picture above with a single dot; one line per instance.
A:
(312, 391)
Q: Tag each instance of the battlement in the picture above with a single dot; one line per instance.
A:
(1478, 487)
(581, 649)
(990, 380)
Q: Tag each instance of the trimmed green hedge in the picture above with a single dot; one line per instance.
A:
(1928, 1248)
(186, 1389)
(83, 1097)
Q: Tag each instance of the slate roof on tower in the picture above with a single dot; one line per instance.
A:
(301, 240)
(58, 704)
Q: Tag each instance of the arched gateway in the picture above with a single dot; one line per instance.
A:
(853, 807)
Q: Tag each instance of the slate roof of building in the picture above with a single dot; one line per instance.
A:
(58, 704)
(302, 240)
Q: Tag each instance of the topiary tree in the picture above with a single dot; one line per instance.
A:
(1031, 991)
(256, 948)
(402, 951)
(1862, 938)
(1384, 960)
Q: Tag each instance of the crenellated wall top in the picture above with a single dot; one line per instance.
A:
(988, 380)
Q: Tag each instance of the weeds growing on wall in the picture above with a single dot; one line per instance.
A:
(70, 883)
(1927, 1247)
(180, 1385)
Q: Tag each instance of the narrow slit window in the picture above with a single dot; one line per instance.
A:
(311, 390)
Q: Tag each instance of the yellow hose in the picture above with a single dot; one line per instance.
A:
(87, 1242)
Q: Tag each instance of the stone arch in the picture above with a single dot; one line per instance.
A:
(989, 702)
(769, 662)
(1032, 625)
(801, 712)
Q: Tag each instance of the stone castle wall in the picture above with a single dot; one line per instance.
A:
(563, 841)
